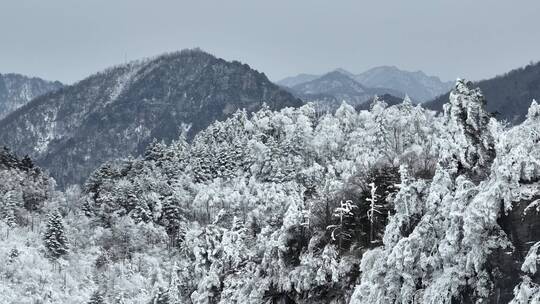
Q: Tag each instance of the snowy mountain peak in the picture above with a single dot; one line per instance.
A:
(345, 72)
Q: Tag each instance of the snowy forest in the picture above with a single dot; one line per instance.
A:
(395, 204)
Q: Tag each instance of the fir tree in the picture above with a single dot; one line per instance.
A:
(11, 201)
(172, 218)
(155, 151)
(96, 298)
(141, 212)
(55, 240)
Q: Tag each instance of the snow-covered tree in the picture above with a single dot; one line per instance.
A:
(96, 298)
(54, 238)
(443, 248)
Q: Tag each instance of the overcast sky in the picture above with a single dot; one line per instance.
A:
(68, 40)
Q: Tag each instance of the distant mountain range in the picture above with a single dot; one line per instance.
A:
(417, 85)
(332, 88)
(117, 112)
(298, 79)
(508, 96)
(388, 99)
(384, 79)
(17, 90)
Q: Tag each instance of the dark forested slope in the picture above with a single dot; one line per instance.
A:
(17, 90)
(509, 95)
(119, 111)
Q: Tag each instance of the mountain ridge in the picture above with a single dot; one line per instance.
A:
(332, 88)
(118, 111)
(419, 86)
(16, 90)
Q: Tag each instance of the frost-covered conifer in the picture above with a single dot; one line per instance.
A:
(54, 238)
(155, 151)
(96, 298)
(172, 218)
(10, 204)
(141, 211)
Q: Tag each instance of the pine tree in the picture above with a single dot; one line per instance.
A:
(141, 212)
(98, 177)
(161, 297)
(155, 151)
(54, 238)
(174, 286)
(177, 157)
(27, 163)
(7, 158)
(9, 204)
(96, 298)
(172, 218)
(201, 162)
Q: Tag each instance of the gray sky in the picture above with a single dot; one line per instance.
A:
(68, 40)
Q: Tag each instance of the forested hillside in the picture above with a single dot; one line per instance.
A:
(17, 90)
(117, 112)
(390, 205)
(509, 95)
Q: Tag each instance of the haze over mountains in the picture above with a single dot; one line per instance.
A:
(17, 90)
(386, 79)
(119, 111)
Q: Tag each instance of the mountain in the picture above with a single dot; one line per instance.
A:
(298, 79)
(17, 90)
(334, 87)
(388, 99)
(119, 111)
(417, 85)
(509, 95)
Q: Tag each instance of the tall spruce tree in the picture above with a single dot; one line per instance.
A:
(9, 203)
(55, 238)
